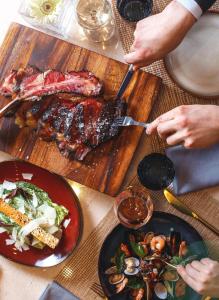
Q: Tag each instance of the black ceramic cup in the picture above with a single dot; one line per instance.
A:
(134, 10)
(156, 171)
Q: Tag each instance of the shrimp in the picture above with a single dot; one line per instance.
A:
(120, 286)
(146, 242)
(183, 249)
(158, 243)
(148, 237)
(145, 248)
(138, 294)
(180, 288)
(125, 249)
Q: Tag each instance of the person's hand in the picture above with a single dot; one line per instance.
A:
(202, 276)
(194, 126)
(157, 35)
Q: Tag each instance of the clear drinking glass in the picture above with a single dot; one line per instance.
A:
(133, 207)
(96, 19)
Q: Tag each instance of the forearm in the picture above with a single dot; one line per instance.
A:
(183, 20)
(159, 34)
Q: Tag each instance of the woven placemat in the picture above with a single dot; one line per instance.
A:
(81, 270)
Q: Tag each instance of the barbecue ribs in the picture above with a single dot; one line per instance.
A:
(77, 124)
(32, 84)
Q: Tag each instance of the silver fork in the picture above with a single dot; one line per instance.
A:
(97, 289)
(128, 121)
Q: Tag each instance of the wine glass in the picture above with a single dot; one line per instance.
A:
(96, 18)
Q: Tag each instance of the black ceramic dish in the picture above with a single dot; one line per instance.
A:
(160, 223)
(134, 10)
(156, 171)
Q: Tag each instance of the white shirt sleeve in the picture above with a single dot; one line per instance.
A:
(192, 6)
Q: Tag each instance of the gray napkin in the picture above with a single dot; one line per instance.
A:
(55, 291)
(195, 169)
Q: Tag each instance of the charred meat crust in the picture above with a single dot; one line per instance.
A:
(76, 126)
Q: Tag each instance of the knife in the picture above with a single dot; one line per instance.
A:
(9, 107)
(183, 208)
(125, 82)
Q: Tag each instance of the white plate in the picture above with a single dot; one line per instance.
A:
(194, 64)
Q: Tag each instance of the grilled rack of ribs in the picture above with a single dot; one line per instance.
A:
(77, 124)
(32, 84)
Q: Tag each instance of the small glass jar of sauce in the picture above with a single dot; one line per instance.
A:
(133, 207)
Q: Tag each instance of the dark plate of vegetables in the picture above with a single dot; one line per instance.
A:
(141, 264)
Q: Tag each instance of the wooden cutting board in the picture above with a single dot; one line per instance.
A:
(105, 167)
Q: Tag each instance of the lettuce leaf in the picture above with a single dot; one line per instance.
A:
(43, 197)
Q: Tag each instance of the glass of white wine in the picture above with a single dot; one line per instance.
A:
(96, 18)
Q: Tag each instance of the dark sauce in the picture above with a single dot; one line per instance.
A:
(133, 209)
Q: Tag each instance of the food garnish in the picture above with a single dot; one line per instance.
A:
(27, 176)
(66, 223)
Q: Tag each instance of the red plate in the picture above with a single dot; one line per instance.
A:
(61, 193)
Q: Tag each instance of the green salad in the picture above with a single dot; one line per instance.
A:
(36, 204)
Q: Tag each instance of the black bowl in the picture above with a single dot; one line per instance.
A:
(156, 171)
(134, 10)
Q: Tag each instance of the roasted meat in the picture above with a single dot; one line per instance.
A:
(32, 84)
(77, 123)
(30, 112)
(11, 85)
(77, 126)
